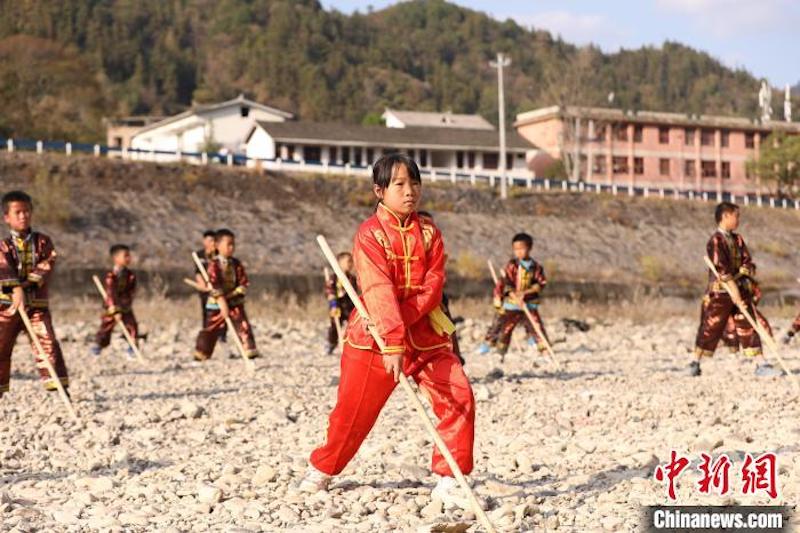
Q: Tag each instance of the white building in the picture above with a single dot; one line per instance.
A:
(335, 143)
(425, 119)
(221, 127)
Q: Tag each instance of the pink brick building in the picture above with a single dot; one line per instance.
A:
(645, 148)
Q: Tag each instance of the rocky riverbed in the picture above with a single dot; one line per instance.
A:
(173, 445)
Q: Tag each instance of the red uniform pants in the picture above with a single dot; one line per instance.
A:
(215, 328)
(11, 327)
(717, 308)
(365, 386)
(510, 319)
(103, 337)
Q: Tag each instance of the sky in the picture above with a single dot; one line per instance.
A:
(761, 36)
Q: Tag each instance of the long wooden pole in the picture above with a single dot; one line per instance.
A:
(37, 344)
(247, 362)
(335, 319)
(415, 401)
(536, 328)
(118, 318)
(762, 332)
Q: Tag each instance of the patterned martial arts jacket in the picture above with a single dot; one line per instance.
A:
(26, 258)
(120, 288)
(228, 279)
(400, 269)
(520, 276)
(733, 261)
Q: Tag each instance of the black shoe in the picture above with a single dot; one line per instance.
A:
(694, 368)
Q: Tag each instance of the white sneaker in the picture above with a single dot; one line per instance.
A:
(314, 481)
(449, 492)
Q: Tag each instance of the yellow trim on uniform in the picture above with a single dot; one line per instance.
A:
(700, 352)
(751, 352)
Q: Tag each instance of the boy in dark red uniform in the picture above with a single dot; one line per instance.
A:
(228, 287)
(522, 279)
(339, 304)
(399, 260)
(120, 286)
(733, 263)
(27, 259)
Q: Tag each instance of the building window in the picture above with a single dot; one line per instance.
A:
(312, 153)
(726, 169)
(370, 156)
(244, 111)
(707, 137)
(291, 154)
(663, 167)
(471, 159)
(599, 165)
(724, 138)
(332, 154)
(688, 168)
(689, 137)
(423, 158)
(600, 132)
(490, 160)
(708, 169)
(619, 164)
(345, 154)
(663, 135)
(509, 161)
(118, 142)
(621, 132)
(357, 153)
(749, 139)
(459, 159)
(637, 134)
(638, 165)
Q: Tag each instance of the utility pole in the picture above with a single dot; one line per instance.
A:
(502, 61)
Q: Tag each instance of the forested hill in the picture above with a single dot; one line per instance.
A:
(65, 65)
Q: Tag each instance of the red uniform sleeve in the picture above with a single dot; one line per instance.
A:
(505, 280)
(748, 265)
(377, 289)
(42, 270)
(9, 277)
(430, 295)
(718, 253)
(539, 276)
(111, 289)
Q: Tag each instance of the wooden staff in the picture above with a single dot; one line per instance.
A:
(762, 332)
(193, 284)
(451, 462)
(335, 319)
(46, 362)
(247, 362)
(536, 328)
(118, 318)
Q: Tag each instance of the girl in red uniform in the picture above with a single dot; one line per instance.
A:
(399, 260)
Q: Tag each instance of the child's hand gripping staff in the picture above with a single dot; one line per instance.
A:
(523, 306)
(118, 318)
(223, 308)
(733, 290)
(18, 306)
(393, 365)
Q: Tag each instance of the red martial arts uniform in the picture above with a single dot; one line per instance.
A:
(733, 261)
(228, 279)
(400, 269)
(120, 288)
(518, 276)
(28, 261)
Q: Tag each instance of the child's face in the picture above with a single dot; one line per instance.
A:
(18, 216)
(521, 249)
(225, 246)
(346, 263)
(730, 220)
(402, 195)
(122, 258)
(209, 244)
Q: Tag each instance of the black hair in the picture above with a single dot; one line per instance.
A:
(384, 167)
(341, 255)
(223, 232)
(117, 248)
(16, 196)
(722, 208)
(426, 214)
(210, 233)
(523, 237)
